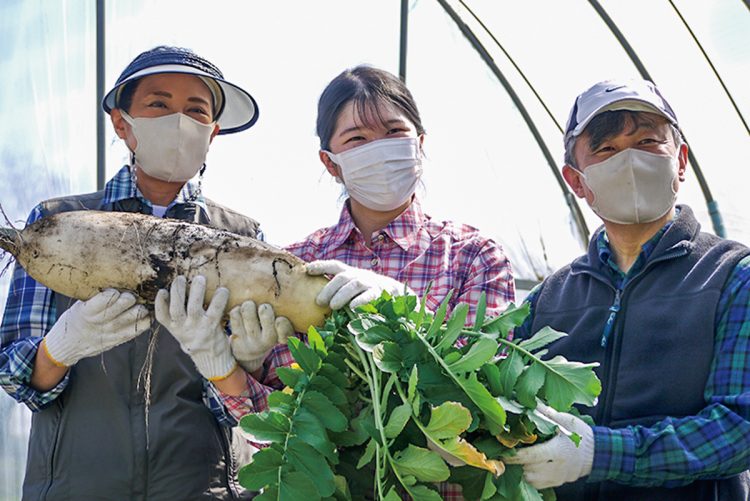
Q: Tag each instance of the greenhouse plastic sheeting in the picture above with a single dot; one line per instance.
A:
(484, 167)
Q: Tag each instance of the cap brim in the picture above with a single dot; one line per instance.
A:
(610, 95)
(629, 104)
(240, 109)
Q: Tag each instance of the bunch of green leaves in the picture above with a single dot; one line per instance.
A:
(381, 395)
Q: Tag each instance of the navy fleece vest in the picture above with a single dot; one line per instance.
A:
(97, 441)
(658, 356)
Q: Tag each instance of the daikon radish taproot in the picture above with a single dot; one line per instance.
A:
(80, 253)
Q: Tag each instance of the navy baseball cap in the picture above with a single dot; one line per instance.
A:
(235, 109)
(612, 95)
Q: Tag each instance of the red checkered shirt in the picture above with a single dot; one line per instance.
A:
(416, 250)
(412, 249)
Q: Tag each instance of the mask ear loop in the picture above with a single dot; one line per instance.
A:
(420, 144)
(199, 189)
(133, 175)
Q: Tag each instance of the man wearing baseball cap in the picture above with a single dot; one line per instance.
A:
(662, 307)
(123, 409)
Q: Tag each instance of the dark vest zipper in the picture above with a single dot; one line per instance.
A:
(611, 319)
(612, 354)
(616, 312)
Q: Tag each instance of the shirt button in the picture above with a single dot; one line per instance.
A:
(381, 237)
(374, 261)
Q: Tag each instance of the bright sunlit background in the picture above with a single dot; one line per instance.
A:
(485, 168)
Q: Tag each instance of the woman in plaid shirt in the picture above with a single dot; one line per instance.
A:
(371, 138)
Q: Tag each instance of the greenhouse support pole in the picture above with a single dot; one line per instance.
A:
(487, 58)
(711, 65)
(404, 38)
(100, 161)
(713, 205)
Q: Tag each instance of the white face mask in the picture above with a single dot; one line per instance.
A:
(171, 148)
(633, 186)
(381, 175)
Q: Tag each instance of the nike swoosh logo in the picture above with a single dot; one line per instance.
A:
(610, 89)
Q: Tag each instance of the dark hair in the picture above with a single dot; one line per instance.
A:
(126, 95)
(367, 87)
(609, 124)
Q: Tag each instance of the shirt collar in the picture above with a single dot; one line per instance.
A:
(122, 187)
(605, 253)
(403, 230)
(343, 228)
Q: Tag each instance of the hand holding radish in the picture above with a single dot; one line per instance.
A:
(350, 285)
(92, 327)
(249, 268)
(255, 331)
(198, 331)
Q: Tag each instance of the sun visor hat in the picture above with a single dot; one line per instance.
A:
(235, 108)
(611, 95)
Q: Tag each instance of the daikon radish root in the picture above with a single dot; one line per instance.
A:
(80, 253)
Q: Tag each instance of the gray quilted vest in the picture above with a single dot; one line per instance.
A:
(124, 428)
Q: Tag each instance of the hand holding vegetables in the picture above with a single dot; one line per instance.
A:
(198, 331)
(350, 285)
(255, 331)
(559, 460)
(378, 382)
(92, 327)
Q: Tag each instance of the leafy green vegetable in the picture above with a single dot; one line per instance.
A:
(423, 464)
(448, 420)
(399, 418)
(382, 392)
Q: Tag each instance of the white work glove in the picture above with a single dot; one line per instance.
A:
(198, 331)
(255, 331)
(557, 461)
(350, 285)
(92, 327)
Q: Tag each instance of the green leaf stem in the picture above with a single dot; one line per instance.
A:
(374, 385)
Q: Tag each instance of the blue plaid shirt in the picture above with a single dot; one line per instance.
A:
(716, 442)
(30, 313)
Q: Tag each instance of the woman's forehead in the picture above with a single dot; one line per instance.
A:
(368, 114)
(173, 82)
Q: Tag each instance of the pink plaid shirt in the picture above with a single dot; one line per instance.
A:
(412, 249)
(416, 250)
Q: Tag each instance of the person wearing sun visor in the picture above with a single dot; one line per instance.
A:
(126, 407)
